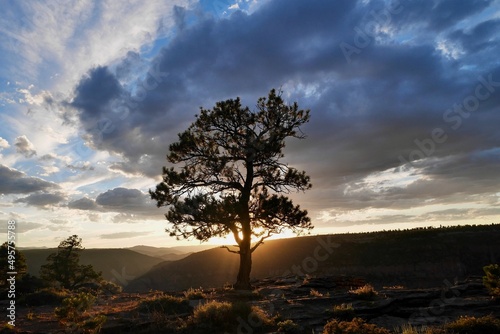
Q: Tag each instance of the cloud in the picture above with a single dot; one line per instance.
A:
(15, 182)
(24, 146)
(3, 144)
(131, 205)
(124, 199)
(42, 200)
(417, 68)
(22, 227)
(124, 235)
(84, 203)
(365, 116)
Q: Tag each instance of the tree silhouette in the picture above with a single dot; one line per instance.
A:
(64, 266)
(16, 262)
(231, 177)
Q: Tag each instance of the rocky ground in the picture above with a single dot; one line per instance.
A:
(308, 301)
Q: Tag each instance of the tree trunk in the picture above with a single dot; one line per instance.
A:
(243, 279)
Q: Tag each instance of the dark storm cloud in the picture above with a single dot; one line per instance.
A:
(42, 199)
(369, 114)
(482, 36)
(15, 182)
(438, 15)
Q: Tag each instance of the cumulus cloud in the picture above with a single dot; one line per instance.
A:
(84, 203)
(415, 70)
(3, 144)
(24, 146)
(42, 200)
(125, 199)
(131, 205)
(16, 182)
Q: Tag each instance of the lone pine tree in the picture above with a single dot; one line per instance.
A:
(231, 177)
(63, 267)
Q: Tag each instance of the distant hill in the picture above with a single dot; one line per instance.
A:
(414, 258)
(169, 253)
(118, 265)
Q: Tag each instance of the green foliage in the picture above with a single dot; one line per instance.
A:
(473, 325)
(366, 292)
(74, 307)
(93, 324)
(216, 316)
(343, 312)
(110, 287)
(45, 296)
(29, 284)
(165, 304)
(492, 279)
(64, 266)
(355, 326)
(9, 255)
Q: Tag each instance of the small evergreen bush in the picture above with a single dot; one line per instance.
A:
(73, 307)
(492, 279)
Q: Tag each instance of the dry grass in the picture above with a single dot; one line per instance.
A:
(366, 292)
(355, 326)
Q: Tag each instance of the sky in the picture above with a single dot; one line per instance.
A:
(404, 98)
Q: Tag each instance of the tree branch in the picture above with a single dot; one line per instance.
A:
(230, 250)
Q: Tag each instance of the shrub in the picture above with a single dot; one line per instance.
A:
(94, 324)
(47, 296)
(492, 279)
(409, 329)
(473, 325)
(224, 316)
(288, 326)
(166, 304)
(75, 306)
(343, 312)
(366, 292)
(192, 294)
(110, 287)
(355, 326)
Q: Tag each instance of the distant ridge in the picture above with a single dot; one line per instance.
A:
(118, 265)
(169, 253)
(420, 257)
